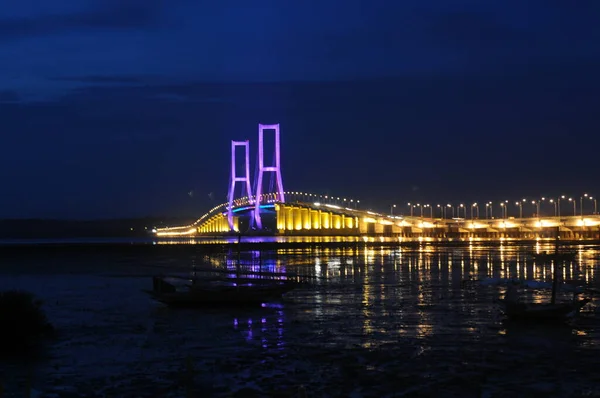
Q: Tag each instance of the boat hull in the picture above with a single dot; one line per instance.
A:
(559, 257)
(198, 297)
(541, 312)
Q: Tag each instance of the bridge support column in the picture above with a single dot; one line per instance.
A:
(306, 221)
(276, 168)
(297, 212)
(289, 218)
(337, 221)
(235, 178)
(280, 212)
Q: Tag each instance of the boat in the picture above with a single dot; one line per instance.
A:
(556, 256)
(542, 312)
(516, 310)
(218, 293)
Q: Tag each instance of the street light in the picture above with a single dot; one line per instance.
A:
(503, 207)
(411, 208)
(574, 206)
(462, 206)
(536, 203)
(442, 211)
(430, 210)
(590, 198)
(452, 207)
(555, 207)
(488, 205)
(543, 199)
(391, 210)
(558, 200)
(520, 204)
(476, 206)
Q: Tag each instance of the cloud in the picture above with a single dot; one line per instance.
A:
(9, 96)
(516, 31)
(109, 14)
(101, 79)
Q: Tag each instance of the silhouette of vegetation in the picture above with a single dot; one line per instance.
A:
(24, 323)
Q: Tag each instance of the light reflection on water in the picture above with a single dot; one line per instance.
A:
(411, 302)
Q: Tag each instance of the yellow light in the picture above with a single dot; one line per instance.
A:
(190, 231)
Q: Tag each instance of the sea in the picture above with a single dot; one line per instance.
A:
(389, 320)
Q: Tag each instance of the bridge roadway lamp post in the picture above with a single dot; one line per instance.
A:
(555, 206)
(558, 201)
(410, 206)
(392, 210)
(452, 207)
(586, 196)
(489, 211)
(574, 206)
(235, 178)
(536, 204)
(430, 210)
(276, 168)
(476, 207)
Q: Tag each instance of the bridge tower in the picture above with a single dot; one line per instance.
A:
(235, 178)
(276, 168)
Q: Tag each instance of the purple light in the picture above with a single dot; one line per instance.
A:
(276, 168)
(235, 178)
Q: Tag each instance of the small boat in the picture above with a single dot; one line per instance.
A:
(556, 256)
(542, 312)
(218, 293)
(516, 310)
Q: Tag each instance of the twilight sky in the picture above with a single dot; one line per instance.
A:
(117, 108)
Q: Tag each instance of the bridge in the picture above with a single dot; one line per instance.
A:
(279, 212)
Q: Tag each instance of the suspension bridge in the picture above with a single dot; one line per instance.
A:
(266, 208)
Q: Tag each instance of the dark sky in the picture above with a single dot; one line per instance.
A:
(115, 108)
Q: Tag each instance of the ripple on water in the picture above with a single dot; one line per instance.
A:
(388, 324)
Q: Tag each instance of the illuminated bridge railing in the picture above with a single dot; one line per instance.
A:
(215, 214)
(301, 214)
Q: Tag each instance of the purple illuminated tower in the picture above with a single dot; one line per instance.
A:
(276, 168)
(235, 178)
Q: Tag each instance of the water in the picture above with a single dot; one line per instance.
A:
(379, 322)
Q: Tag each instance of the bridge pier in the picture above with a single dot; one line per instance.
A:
(304, 220)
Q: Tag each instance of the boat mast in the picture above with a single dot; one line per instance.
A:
(238, 265)
(555, 273)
